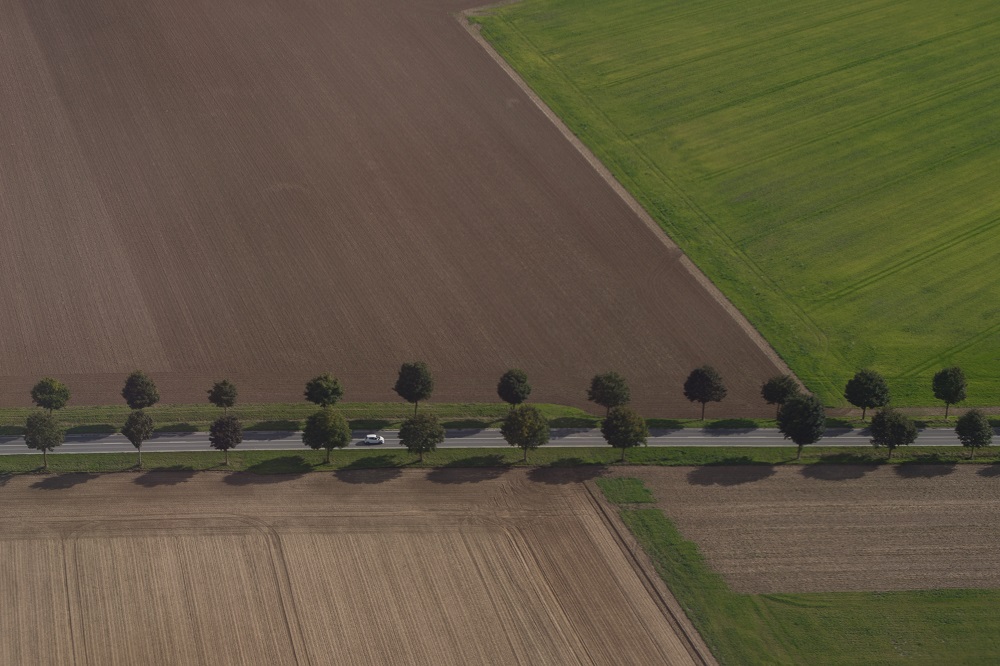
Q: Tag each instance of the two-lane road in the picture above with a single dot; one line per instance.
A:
(484, 439)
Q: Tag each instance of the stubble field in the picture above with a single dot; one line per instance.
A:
(383, 566)
(830, 528)
(267, 191)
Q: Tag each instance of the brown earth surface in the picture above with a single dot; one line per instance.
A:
(817, 528)
(384, 566)
(268, 190)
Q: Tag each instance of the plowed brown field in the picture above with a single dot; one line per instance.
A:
(391, 567)
(818, 528)
(265, 190)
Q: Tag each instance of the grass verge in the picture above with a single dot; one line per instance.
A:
(932, 627)
(305, 460)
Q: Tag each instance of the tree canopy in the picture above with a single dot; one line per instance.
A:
(137, 429)
(974, 430)
(43, 433)
(513, 387)
(892, 429)
(802, 419)
(223, 394)
(949, 386)
(324, 390)
(777, 390)
(50, 394)
(326, 429)
(226, 432)
(526, 428)
(140, 391)
(421, 434)
(704, 385)
(414, 383)
(609, 390)
(623, 428)
(867, 389)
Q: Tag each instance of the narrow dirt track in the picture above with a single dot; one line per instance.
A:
(818, 528)
(269, 190)
(385, 566)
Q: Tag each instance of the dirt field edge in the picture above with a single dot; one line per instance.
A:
(646, 571)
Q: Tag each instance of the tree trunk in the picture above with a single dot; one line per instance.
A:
(139, 449)
(864, 410)
(890, 453)
(972, 452)
(45, 458)
(421, 454)
(525, 459)
(623, 454)
(328, 456)
(415, 409)
(703, 411)
(227, 457)
(799, 454)
(946, 406)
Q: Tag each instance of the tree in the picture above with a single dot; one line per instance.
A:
(890, 429)
(974, 431)
(514, 387)
(421, 434)
(226, 432)
(326, 429)
(526, 428)
(777, 390)
(223, 394)
(324, 390)
(802, 419)
(704, 385)
(623, 428)
(609, 390)
(50, 394)
(867, 389)
(140, 391)
(42, 433)
(137, 429)
(949, 385)
(414, 383)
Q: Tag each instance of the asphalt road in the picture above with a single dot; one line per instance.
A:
(485, 439)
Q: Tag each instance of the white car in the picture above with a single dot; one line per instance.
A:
(373, 439)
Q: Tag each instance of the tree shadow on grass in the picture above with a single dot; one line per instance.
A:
(730, 427)
(164, 476)
(281, 425)
(665, 424)
(274, 470)
(924, 468)
(174, 428)
(63, 481)
(730, 472)
(369, 470)
(470, 470)
(989, 471)
(98, 431)
(846, 458)
(566, 470)
(827, 472)
(368, 425)
(574, 422)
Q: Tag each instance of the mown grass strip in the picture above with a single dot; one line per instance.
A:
(931, 627)
(305, 460)
(622, 490)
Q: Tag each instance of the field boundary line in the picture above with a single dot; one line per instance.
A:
(710, 288)
(657, 587)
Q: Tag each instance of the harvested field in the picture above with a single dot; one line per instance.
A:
(441, 566)
(265, 191)
(819, 528)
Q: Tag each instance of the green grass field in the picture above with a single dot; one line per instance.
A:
(832, 167)
(925, 627)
